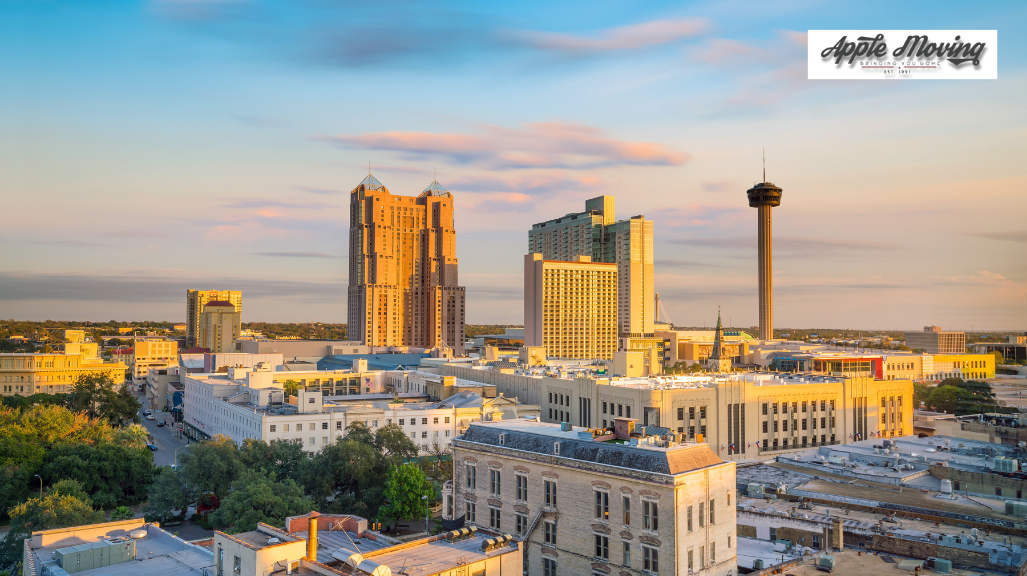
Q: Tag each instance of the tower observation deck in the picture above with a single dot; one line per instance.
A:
(763, 197)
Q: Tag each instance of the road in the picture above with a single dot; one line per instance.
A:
(163, 436)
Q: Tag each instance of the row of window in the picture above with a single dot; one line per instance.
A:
(796, 406)
(796, 426)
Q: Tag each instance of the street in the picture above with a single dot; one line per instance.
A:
(163, 436)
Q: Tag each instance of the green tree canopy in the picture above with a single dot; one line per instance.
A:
(210, 467)
(171, 494)
(975, 397)
(292, 387)
(257, 497)
(282, 458)
(943, 399)
(920, 394)
(108, 472)
(408, 493)
(95, 395)
(999, 358)
(64, 504)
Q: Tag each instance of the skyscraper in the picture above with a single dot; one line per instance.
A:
(220, 326)
(403, 288)
(628, 244)
(195, 300)
(763, 197)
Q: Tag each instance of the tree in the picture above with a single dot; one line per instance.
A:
(94, 394)
(121, 513)
(283, 458)
(65, 504)
(943, 399)
(920, 394)
(437, 462)
(999, 358)
(975, 397)
(919, 351)
(169, 492)
(109, 473)
(257, 497)
(211, 467)
(407, 493)
(292, 387)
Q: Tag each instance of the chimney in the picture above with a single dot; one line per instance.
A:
(312, 536)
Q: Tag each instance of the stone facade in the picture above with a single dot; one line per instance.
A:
(580, 512)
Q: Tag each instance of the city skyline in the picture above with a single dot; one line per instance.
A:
(152, 148)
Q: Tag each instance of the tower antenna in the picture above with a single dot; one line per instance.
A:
(368, 166)
(764, 164)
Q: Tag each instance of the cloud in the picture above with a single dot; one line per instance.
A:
(491, 202)
(296, 254)
(788, 246)
(324, 191)
(1020, 237)
(134, 234)
(620, 39)
(717, 185)
(701, 215)
(536, 145)
(265, 203)
(146, 287)
(539, 183)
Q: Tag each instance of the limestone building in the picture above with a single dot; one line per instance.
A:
(741, 416)
(608, 504)
(220, 325)
(155, 353)
(403, 284)
(570, 308)
(628, 244)
(195, 300)
(25, 374)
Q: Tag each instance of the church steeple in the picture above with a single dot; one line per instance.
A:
(717, 361)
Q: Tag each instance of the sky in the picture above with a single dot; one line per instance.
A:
(147, 148)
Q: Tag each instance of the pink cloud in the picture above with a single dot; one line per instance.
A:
(700, 215)
(717, 185)
(623, 38)
(528, 183)
(536, 145)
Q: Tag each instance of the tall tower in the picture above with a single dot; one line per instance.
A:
(763, 197)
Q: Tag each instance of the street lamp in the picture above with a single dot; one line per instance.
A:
(427, 511)
(40, 485)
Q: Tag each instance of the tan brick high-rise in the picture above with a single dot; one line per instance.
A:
(403, 269)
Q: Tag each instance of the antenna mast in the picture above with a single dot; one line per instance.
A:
(764, 164)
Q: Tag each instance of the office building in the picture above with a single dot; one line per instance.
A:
(588, 502)
(741, 416)
(220, 325)
(763, 197)
(25, 374)
(195, 300)
(403, 283)
(153, 353)
(570, 308)
(628, 244)
(934, 341)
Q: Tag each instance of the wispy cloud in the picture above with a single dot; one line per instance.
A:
(675, 264)
(619, 39)
(538, 183)
(717, 185)
(789, 246)
(700, 215)
(267, 203)
(537, 145)
(296, 254)
(1020, 236)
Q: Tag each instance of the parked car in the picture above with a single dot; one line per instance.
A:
(160, 424)
(147, 412)
(152, 447)
(150, 417)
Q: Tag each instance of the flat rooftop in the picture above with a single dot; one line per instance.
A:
(434, 555)
(159, 553)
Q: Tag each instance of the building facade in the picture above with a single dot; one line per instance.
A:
(934, 341)
(51, 373)
(628, 244)
(195, 300)
(153, 353)
(220, 325)
(586, 504)
(403, 283)
(570, 308)
(741, 416)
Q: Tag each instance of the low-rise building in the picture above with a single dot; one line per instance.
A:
(154, 353)
(25, 374)
(584, 503)
(935, 341)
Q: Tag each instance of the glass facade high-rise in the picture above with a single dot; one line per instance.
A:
(628, 244)
(403, 286)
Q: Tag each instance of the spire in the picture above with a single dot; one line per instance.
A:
(718, 339)
(764, 164)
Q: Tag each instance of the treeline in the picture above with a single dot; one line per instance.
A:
(308, 331)
(266, 482)
(959, 397)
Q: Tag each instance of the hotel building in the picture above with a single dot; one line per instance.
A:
(570, 308)
(403, 285)
(220, 325)
(25, 374)
(195, 300)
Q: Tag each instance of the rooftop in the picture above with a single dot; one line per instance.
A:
(577, 443)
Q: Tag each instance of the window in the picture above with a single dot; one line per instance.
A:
(681, 413)
(773, 534)
(803, 424)
(702, 515)
(549, 489)
(764, 408)
(299, 427)
(650, 559)
(602, 546)
(447, 419)
(816, 542)
(550, 532)
(469, 515)
(273, 427)
(713, 552)
(520, 523)
(522, 487)
(702, 557)
(494, 482)
(651, 515)
(604, 407)
(712, 520)
(237, 565)
(691, 412)
(602, 505)
(495, 520)
(313, 440)
(548, 567)
(764, 426)
(472, 477)
(324, 425)
(285, 427)
(691, 563)
(402, 421)
(689, 515)
(435, 420)
(338, 425)
(627, 510)
(424, 421)
(784, 425)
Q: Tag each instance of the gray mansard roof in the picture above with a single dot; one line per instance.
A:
(539, 438)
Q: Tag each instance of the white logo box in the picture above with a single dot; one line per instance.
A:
(922, 54)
